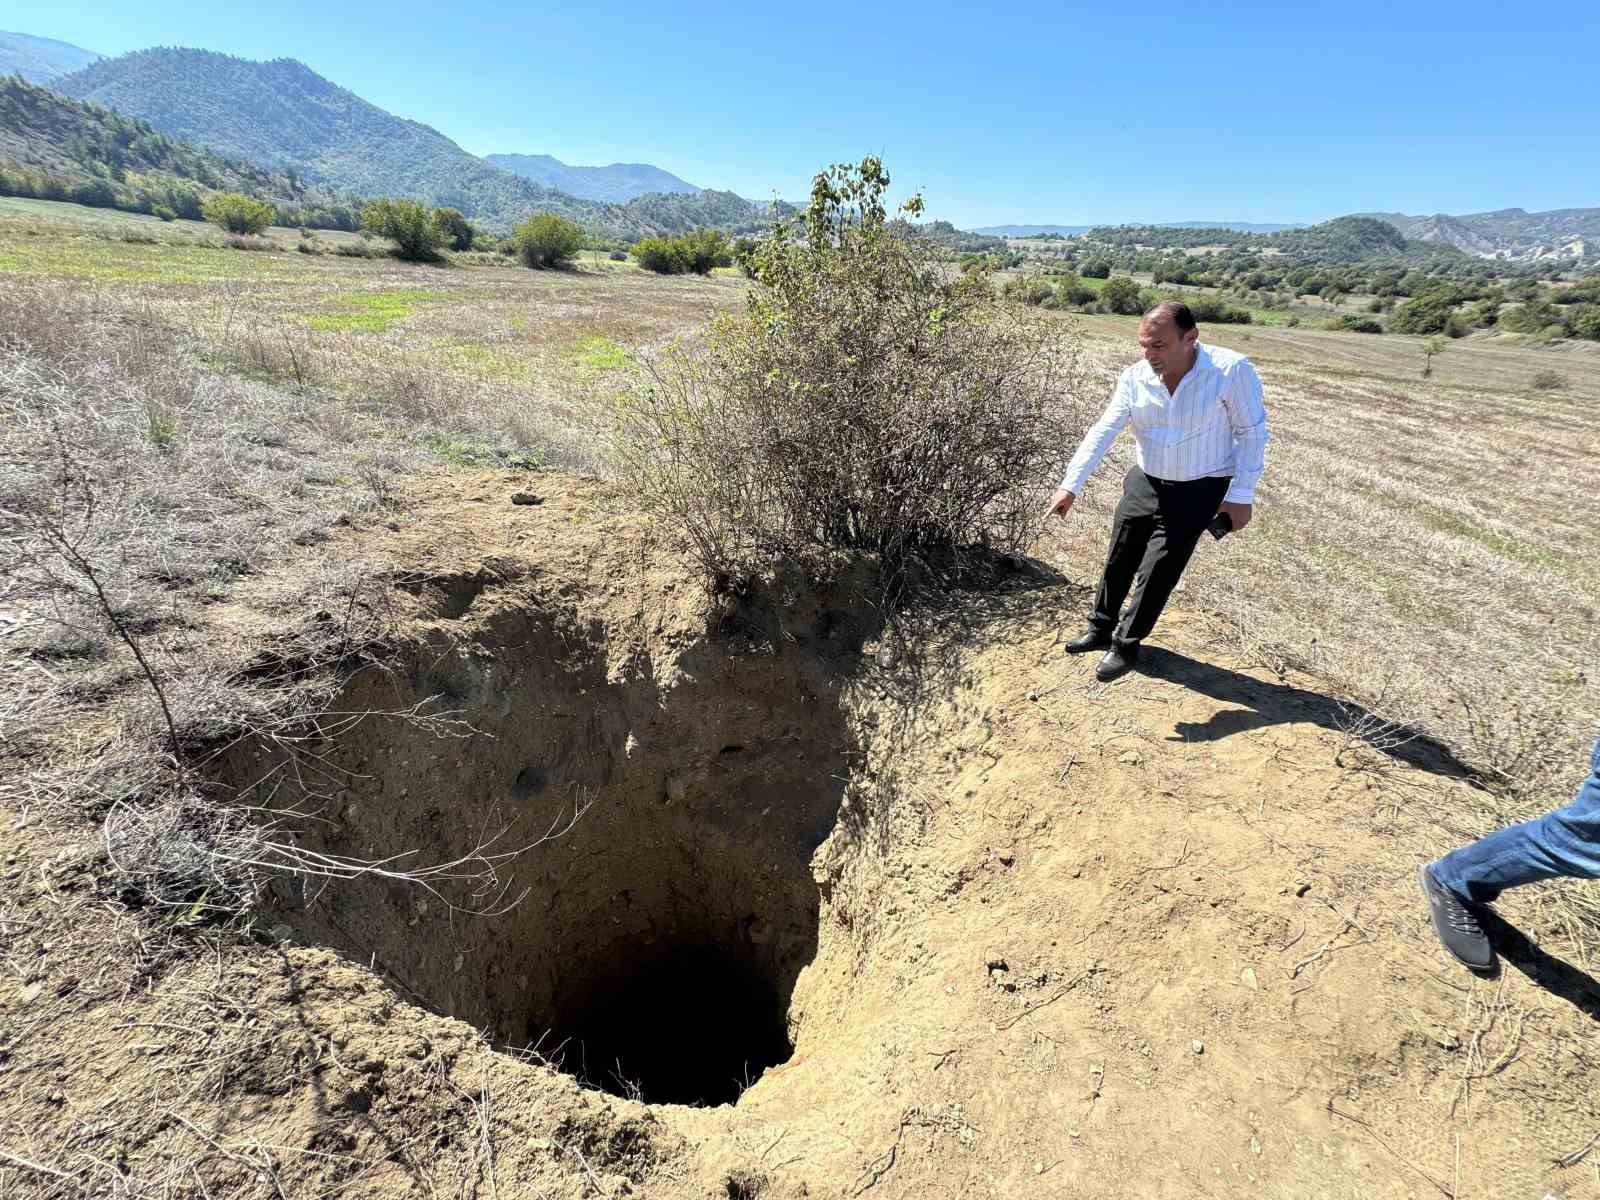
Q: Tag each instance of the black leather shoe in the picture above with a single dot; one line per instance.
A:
(1089, 639)
(1118, 661)
(1456, 923)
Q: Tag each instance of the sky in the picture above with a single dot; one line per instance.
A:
(1043, 113)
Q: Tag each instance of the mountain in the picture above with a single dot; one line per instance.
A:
(56, 148)
(38, 59)
(285, 116)
(1235, 226)
(1513, 234)
(615, 184)
(1022, 231)
(1027, 231)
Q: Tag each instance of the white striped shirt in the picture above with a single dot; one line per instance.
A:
(1214, 424)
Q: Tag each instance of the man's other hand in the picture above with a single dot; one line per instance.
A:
(1239, 514)
(1060, 504)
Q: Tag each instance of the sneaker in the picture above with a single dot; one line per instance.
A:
(1118, 661)
(1089, 639)
(1456, 924)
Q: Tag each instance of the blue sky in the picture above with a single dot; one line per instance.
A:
(1056, 113)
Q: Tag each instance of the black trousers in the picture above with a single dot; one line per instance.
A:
(1153, 534)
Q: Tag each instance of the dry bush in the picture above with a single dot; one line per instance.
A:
(112, 543)
(864, 402)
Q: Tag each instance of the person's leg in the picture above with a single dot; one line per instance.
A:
(1129, 537)
(1185, 510)
(1166, 554)
(1131, 526)
(1565, 842)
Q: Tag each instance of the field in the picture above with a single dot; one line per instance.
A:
(317, 453)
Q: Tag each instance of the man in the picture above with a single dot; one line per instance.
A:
(1201, 428)
(1564, 842)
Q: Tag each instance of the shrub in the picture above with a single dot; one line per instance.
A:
(454, 226)
(861, 402)
(546, 240)
(1349, 323)
(1586, 322)
(412, 228)
(240, 242)
(236, 213)
(1121, 295)
(1428, 313)
(353, 250)
(164, 213)
(1215, 310)
(1028, 289)
(1548, 381)
(665, 256)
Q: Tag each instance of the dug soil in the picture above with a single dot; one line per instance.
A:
(806, 904)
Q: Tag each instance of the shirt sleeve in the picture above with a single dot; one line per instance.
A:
(1247, 416)
(1099, 438)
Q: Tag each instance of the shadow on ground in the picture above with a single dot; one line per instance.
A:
(1266, 703)
(1543, 969)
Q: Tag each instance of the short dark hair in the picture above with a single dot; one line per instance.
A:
(1177, 310)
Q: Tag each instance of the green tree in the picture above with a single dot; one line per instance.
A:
(1427, 313)
(455, 227)
(409, 225)
(704, 249)
(236, 213)
(1121, 295)
(546, 241)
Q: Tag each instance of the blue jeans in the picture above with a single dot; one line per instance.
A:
(1564, 842)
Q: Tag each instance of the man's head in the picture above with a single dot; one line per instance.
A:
(1167, 337)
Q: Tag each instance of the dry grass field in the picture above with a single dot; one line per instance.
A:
(265, 433)
(1425, 544)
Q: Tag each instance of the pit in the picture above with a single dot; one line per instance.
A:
(654, 946)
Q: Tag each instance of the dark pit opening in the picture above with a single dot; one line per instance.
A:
(691, 1024)
(657, 946)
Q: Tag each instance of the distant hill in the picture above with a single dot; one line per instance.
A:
(1022, 231)
(615, 184)
(284, 115)
(1343, 239)
(1513, 234)
(56, 148)
(1025, 231)
(39, 60)
(1236, 226)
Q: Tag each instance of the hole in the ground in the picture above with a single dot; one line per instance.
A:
(658, 945)
(684, 1024)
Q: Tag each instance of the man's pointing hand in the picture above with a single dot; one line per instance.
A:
(1060, 504)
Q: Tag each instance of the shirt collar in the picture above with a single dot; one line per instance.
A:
(1202, 362)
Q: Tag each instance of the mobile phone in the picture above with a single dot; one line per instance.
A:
(1221, 526)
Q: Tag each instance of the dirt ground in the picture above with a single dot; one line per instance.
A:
(1031, 935)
